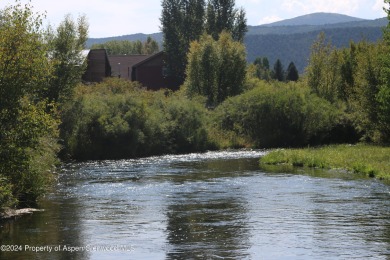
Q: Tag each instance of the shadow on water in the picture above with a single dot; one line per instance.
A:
(207, 206)
(205, 219)
(58, 225)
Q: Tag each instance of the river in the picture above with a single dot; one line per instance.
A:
(217, 205)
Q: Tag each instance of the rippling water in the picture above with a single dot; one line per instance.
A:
(217, 205)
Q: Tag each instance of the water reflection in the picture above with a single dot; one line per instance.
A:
(58, 225)
(205, 219)
(211, 206)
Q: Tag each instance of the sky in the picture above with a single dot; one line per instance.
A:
(121, 17)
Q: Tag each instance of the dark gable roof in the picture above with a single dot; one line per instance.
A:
(149, 58)
(125, 63)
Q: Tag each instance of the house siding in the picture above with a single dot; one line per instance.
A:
(146, 69)
(98, 66)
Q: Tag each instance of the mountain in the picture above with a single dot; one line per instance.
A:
(317, 19)
(293, 29)
(291, 39)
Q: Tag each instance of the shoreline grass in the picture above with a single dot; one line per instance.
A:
(371, 160)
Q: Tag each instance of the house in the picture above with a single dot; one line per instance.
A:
(98, 66)
(149, 70)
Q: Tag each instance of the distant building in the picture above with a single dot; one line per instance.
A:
(149, 70)
(98, 66)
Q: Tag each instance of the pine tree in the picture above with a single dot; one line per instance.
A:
(292, 73)
(278, 72)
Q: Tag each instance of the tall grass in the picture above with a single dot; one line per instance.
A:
(374, 161)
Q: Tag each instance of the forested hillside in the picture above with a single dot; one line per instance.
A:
(290, 40)
(296, 47)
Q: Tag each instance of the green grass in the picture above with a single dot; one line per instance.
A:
(374, 161)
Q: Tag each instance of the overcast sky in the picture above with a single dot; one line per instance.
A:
(120, 17)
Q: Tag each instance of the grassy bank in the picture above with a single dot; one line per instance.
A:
(374, 161)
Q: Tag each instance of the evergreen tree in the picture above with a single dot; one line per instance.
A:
(292, 73)
(278, 72)
(266, 63)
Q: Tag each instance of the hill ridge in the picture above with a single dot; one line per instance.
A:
(319, 18)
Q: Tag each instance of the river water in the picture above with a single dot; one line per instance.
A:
(217, 205)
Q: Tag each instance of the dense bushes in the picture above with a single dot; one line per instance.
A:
(353, 77)
(28, 151)
(118, 119)
(279, 115)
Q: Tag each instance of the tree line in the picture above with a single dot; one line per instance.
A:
(46, 113)
(115, 47)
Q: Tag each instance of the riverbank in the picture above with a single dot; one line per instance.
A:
(374, 161)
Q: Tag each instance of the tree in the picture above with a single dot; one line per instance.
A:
(181, 23)
(292, 73)
(66, 46)
(27, 132)
(23, 64)
(323, 71)
(383, 96)
(221, 15)
(266, 63)
(216, 69)
(262, 68)
(278, 72)
(115, 47)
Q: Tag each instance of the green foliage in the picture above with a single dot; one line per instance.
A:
(181, 23)
(66, 46)
(278, 115)
(221, 15)
(184, 21)
(262, 68)
(383, 96)
(28, 134)
(23, 64)
(125, 47)
(28, 150)
(216, 69)
(117, 119)
(352, 77)
(363, 89)
(292, 73)
(278, 72)
(323, 75)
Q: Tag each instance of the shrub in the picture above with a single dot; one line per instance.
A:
(118, 119)
(278, 115)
